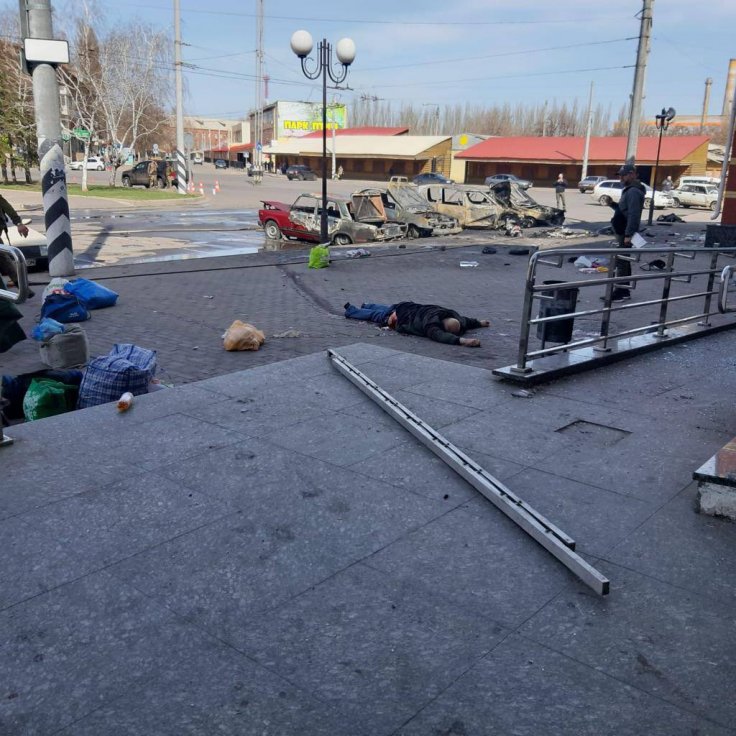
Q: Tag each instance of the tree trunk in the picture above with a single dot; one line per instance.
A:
(85, 188)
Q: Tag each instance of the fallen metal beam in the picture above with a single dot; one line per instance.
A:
(553, 539)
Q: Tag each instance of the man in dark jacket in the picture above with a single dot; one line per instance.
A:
(7, 265)
(625, 222)
(560, 186)
(437, 323)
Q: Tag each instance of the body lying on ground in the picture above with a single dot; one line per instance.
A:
(440, 324)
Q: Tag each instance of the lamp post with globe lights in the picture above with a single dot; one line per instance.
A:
(324, 66)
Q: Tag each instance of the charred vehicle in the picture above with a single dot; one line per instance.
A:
(528, 212)
(498, 207)
(402, 203)
(359, 219)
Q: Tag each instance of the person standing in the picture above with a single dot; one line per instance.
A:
(625, 222)
(560, 186)
(152, 172)
(667, 185)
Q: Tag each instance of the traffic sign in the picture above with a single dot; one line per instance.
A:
(259, 147)
(81, 132)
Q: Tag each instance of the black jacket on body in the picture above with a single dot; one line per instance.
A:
(425, 320)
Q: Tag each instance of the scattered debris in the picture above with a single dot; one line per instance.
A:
(288, 333)
(468, 264)
(608, 230)
(593, 262)
(357, 253)
(567, 232)
(522, 394)
(488, 250)
(519, 251)
(207, 296)
(656, 265)
(243, 336)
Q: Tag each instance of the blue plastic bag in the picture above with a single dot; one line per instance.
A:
(92, 294)
(64, 307)
(46, 329)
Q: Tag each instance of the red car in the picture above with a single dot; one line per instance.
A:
(275, 220)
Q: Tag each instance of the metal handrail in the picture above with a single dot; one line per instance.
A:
(17, 297)
(669, 274)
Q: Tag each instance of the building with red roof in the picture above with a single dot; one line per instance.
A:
(542, 159)
(364, 130)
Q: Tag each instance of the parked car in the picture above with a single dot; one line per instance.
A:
(496, 178)
(138, 175)
(349, 220)
(588, 183)
(695, 195)
(521, 207)
(711, 181)
(431, 177)
(300, 172)
(609, 191)
(402, 203)
(220, 163)
(93, 163)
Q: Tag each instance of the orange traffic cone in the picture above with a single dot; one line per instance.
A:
(217, 185)
(201, 188)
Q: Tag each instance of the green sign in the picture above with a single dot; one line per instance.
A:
(81, 133)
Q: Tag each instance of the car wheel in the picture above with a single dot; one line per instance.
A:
(413, 232)
(605, 200)
(582, 191)
(713, 205)
(675, 202)
(685, 206)
(100, 168)
(126, 181)
(272, 230)
(342, 239)
(528, 222)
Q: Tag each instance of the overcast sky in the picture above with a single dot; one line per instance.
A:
(453, 51)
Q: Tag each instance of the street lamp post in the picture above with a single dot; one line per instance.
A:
(301, 45)
(663, 121)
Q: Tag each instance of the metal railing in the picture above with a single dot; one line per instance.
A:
(700, 269)
(16, 297)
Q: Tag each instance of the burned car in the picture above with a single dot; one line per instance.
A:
(498, 207)
(402, 203)
(358, 219)
(528, 211)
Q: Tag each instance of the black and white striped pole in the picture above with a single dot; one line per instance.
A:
(42, 54)
(181, 163)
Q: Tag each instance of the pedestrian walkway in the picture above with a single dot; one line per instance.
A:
(267, 552)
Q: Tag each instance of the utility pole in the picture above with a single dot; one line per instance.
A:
(586, 150)
(181, 166)
(706, 102)
(637, 95)
(258, 117)
(35, 23)
(544, 120)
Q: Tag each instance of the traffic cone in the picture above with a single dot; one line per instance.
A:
(190, 186)
(201, 188)
(214, 191)
(217, 185)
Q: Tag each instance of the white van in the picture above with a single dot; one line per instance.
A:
(708, 180)
(197, 157)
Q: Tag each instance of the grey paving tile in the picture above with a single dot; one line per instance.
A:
(288, 537)
(595, 518)
(77, 647)
(483, 562)
(527, 690)
(369, 645)
(362, 352)
(208, 688)
(653, 636)
(414, 467)
(682, 547)
(338, 438)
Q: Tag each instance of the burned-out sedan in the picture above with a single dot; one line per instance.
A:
(358, 219)
(497, 207)
(402, 203)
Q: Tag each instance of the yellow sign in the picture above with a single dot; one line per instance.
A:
(308, 125)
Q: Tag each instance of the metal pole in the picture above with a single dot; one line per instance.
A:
(181, 170)
(324, 56)
(36, 17)
(656, 167)
(706, 102)
(586, 150)
(639, 77)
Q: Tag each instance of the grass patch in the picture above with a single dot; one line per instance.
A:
(107, 192)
